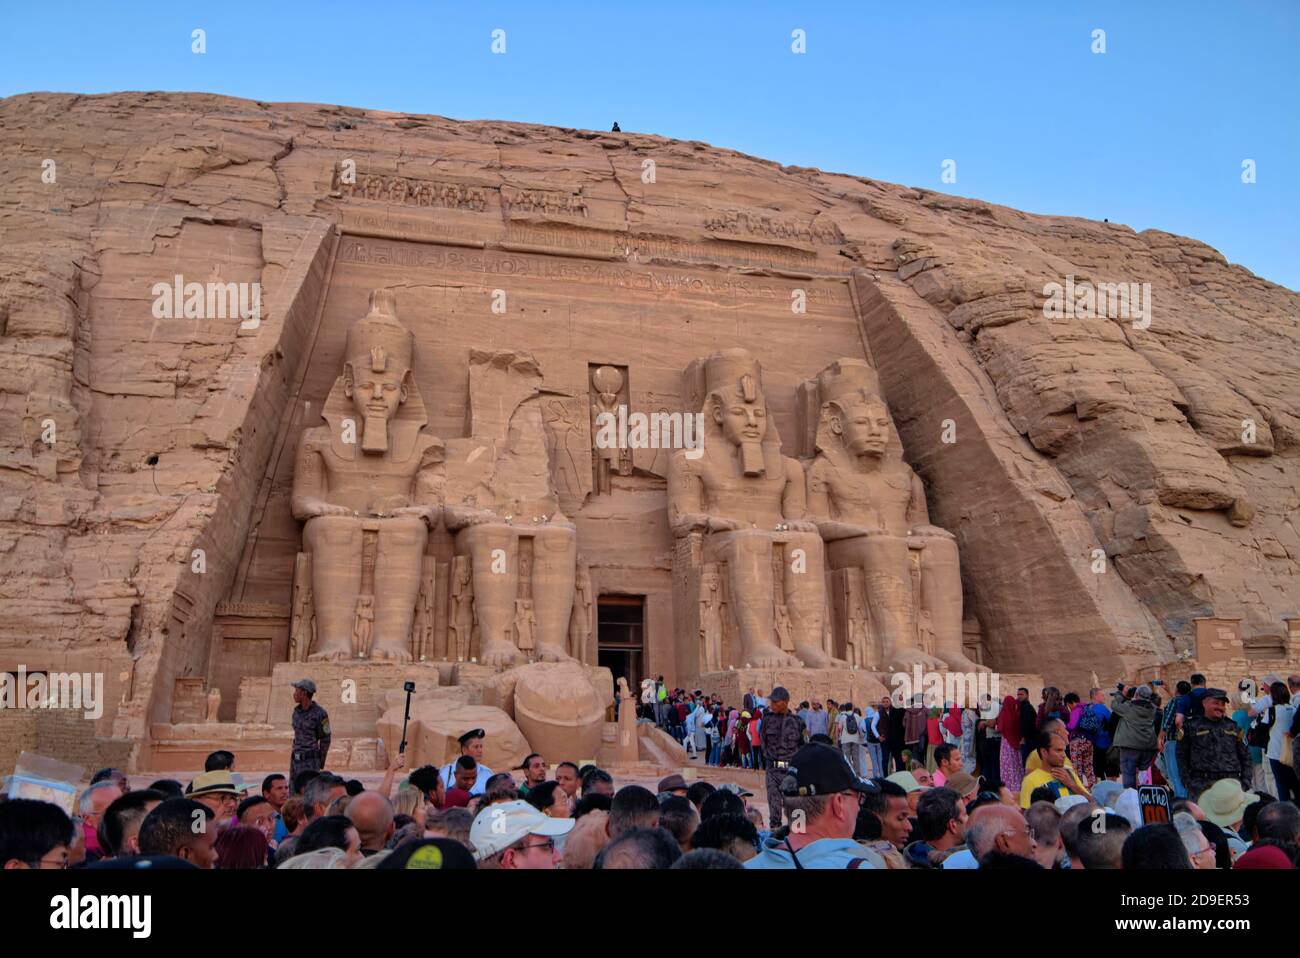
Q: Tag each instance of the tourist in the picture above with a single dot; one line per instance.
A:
(320, 794)
(293, 813)
(632, 807)
(597, 781)
(311, 731)
(698, 792)
(997, 829)
(988, 741)
(1200, 850)
(34, 835)
(566, 773)
(941, 828)
(915, 719)
(1171, 729)
(1277, 821)
(910, 786)
(947, 762)
(869, 731)
(463, 778)
(169, 830)
(217, 791)
(1136, 733)
(92, 803)
(426, 784)
(500, 787)
(551, 799)
(640, 848)
(220, 760)
(848, 732)
(471, 744)
(1028, 717)
(1280, 746)
(783, 734)
(241, 847)
(275, 789)
(1011, 764)
(1052, 771)
(119, 826)
(1100, 840)
(371, 813)
(755, 730)
(1154, 847)
(672, 785)
(1081, 727)
(331, 831)
(706, 858)
(169, 787)
(730, 833)
(534, 768)
(1210, 748)
(514, 835)
(1225, 803)
(1068, 830)
(969, 753)
(590, 834)
(824, 794)
(257, 812)
(1045, 825)
(680, 819)
(818, 720)
(453, 823)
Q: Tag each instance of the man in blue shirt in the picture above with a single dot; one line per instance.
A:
(822, 796)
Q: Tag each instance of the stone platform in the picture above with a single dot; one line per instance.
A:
(858, 686)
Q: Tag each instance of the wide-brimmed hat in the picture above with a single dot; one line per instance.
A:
(213, 783)
(670, 782)
(906, 781)
(1225, 802)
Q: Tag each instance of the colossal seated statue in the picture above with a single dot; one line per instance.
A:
(870, 508)
(363, 495)
(747, 502)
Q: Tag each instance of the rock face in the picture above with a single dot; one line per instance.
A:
(1109, 480)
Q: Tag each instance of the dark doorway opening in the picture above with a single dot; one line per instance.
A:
(620, 637)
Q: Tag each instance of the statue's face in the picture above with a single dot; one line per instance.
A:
(865, 428)
(741, 421)
(375, 394)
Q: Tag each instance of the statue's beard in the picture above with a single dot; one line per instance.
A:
(374, 434)
(752, 461)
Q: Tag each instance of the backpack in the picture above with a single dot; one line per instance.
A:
(1259, 732)
(1090, 723)
(851, 724)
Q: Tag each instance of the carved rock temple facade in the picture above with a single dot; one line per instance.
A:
(395, 470)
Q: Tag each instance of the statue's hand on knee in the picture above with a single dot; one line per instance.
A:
(932, 532)
(319, 507)
(801, 525)
(428, 513)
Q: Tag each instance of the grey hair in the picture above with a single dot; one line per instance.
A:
(86, 804)
(1189, 830)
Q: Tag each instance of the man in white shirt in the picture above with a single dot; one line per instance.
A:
(471, 744)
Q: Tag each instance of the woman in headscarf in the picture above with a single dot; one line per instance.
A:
(1080, 747)
(968, 721)
(1010, 763)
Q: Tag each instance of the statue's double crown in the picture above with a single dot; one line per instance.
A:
(378, 342)
(733, 369)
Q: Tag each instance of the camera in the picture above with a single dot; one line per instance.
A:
(408, 686)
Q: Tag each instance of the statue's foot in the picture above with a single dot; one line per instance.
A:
(813, 657)
(390, 653)
(546, 652)
(962, 663)
(906, 659)
(769, 657)
(330, 655)
(497, 653)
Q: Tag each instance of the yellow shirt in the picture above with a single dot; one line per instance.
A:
(1035, 762)
(1037, 779)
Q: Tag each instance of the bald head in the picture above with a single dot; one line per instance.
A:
(372, 815)
(999, 828)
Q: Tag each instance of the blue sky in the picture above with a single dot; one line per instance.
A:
(1151, 133)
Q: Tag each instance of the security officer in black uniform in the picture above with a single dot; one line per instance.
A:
(311, 731)
(1211, 747)
(783, 734)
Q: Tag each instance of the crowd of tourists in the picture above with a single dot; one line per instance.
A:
(1064, 783)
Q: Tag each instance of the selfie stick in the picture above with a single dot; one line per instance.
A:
(410, 687)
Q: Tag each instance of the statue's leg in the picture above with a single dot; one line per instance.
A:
(398, 569)
(805, 596)
(494, 555)
(748, 554)
(885, 562)
(941, 592)
(335, 546)
(555, 569)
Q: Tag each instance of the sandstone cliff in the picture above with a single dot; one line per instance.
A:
(1174, 448)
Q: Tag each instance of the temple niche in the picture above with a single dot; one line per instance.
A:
(895, 578)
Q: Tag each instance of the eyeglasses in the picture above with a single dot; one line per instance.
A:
(548, 845)
(860, 796)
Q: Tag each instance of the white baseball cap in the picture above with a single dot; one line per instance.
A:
(499, 826)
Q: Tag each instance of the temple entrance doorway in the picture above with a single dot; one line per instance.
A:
(620, 637)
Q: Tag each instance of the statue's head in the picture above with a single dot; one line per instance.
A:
(862, 423)
(377, 368)
(740, 410)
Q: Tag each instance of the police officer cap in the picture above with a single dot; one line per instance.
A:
(472, 733)
(1217, 694)
(779, 694)
(307, 685)
(822, 770)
